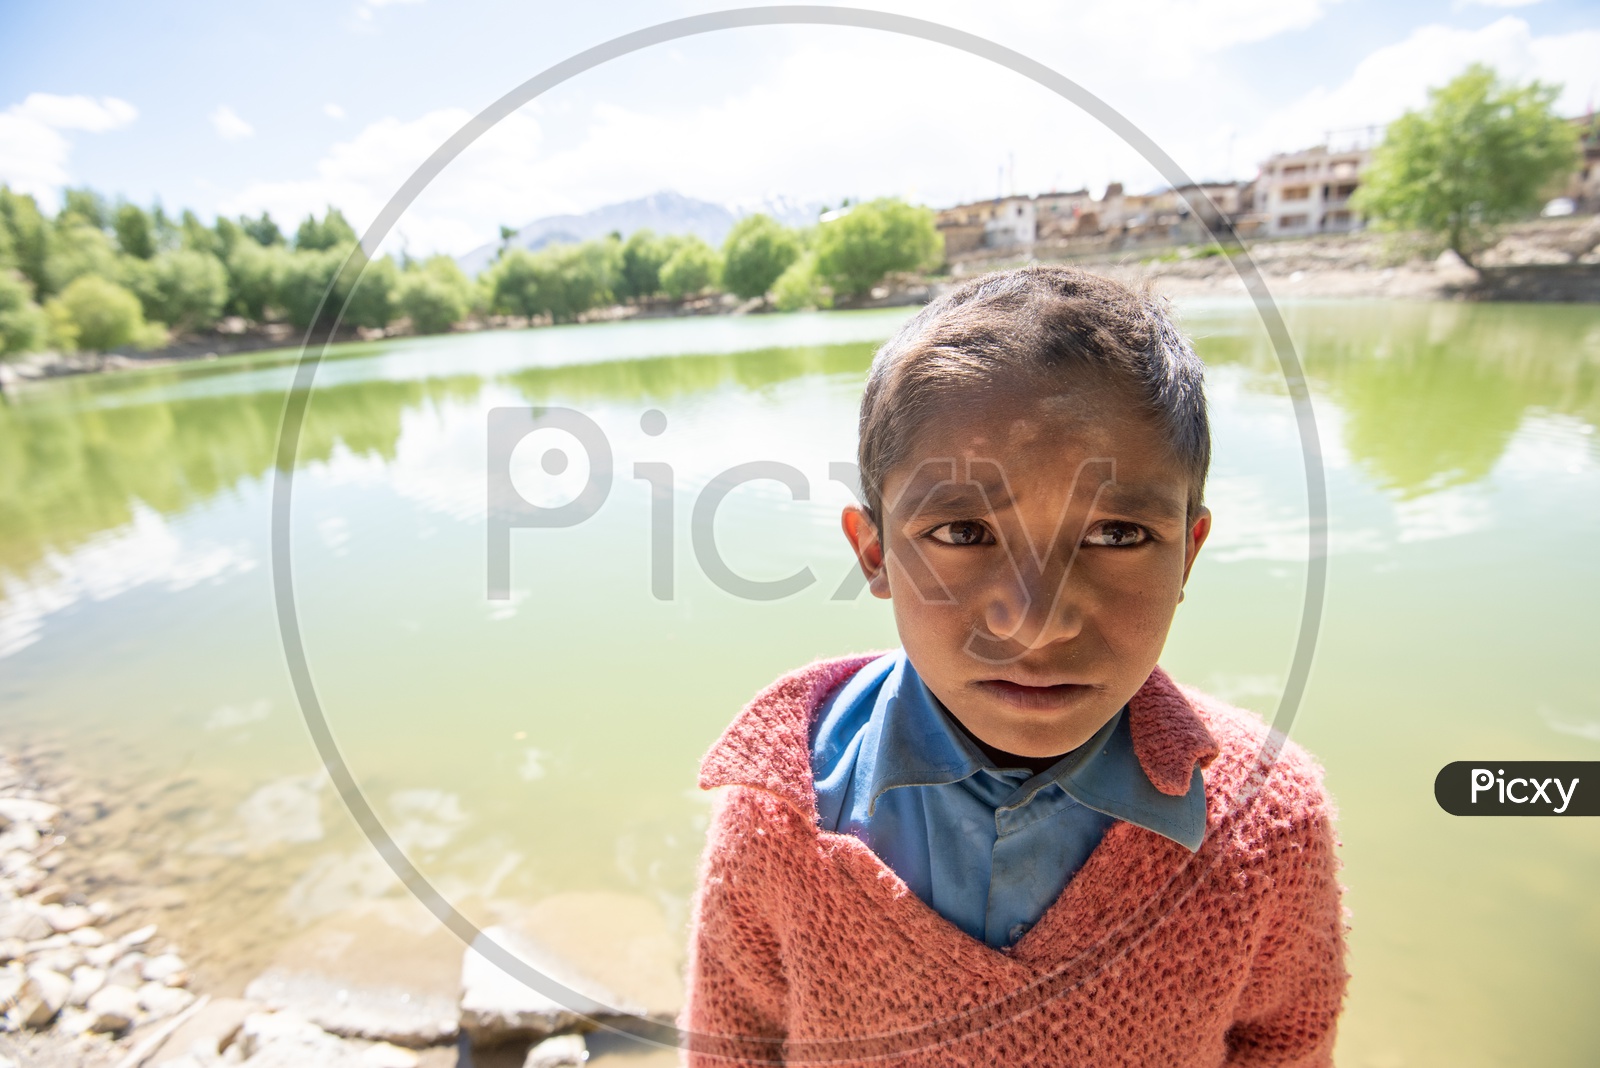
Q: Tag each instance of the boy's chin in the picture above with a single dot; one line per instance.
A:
(1030, 723)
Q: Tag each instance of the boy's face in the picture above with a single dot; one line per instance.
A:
(1035, 550)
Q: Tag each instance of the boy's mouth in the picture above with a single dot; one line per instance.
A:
(1035, 698)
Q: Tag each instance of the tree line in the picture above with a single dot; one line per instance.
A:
(102, 275)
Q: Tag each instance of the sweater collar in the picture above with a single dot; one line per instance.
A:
(767, 746)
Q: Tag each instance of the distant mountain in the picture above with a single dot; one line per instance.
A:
(665, 213)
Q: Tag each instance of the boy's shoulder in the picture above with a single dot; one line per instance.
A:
(1259, 776)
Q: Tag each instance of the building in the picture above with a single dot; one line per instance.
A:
(1308, 192)
(1001, 223)
(1057, 214)
(1583, 186)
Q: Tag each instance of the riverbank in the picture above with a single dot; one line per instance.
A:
(93, 976)
(1547, 260)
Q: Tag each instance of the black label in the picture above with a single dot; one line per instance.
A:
(1519, 788)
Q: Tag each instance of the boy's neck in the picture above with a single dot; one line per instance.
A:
(999, 757)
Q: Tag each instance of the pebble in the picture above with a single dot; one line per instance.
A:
(384, 1055)
(16, 810)
(166, 968)
(128, 971)
(113, 1008)
(86, 981)
(54, 894)
(88, 937)
(159, 999)
(11, 949)
(26, 926)
(138, 936)
(559, 1051)
(67, 918)
(42, 996)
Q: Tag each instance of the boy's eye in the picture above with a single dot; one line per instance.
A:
(1115, 534)
(963, 532)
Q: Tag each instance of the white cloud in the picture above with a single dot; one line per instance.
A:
(837, 112)
(229, 125)
(33, 147)
(1396, 78)
(333, 111)
(144, 552)
(1462, 5)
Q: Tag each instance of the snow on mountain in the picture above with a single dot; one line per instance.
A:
(665, 212)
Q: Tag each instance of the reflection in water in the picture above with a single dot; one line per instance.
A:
(1431, 394)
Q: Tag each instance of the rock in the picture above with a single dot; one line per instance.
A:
(557, 1052)
(103, 910)
(284, 1040)
(113, 1008)
(27, 926)
(11, 949)
(88, 937)
(14, 810)
(61, 960)
(210, 1031)
(15, 861)
(386, 1014)
(165, 968)
(54, 894)
(384, 1055)
(85, 982)
(11, 983)
(67, 918)
(23, 837)
(138, 936)
(43, 995)
(128, 971)
(159, 999)
(497, 1007)
(102, 956)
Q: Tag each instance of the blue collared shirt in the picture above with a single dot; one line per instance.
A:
(987, 848)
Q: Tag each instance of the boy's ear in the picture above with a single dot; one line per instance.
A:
(1199, 530)
(862, 533)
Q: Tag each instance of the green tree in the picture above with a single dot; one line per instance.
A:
(562, 281)
(800, 286)
(435, 294)
(86, 205)
(856, 250)
(757, 251)
(1480, 153)
(692, 267)
(24, 327)
(255, 278)
(77, 248)
(135, 235)
(642, 257)
(307, 275)
(97, 314)
(331, 232)
(183, 287)
(263, 231)
(27, 238)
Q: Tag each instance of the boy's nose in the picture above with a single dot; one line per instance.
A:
(1030, 608)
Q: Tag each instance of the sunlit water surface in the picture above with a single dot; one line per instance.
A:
(543, 747)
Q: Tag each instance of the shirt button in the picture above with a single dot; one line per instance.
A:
(1019, 929)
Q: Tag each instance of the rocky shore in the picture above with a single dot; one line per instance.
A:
(87, 981)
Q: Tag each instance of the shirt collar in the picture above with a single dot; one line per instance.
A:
(918, 744)
(767, 746)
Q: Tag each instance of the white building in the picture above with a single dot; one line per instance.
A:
(1308, 192)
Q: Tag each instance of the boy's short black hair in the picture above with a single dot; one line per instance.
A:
(1035, 328)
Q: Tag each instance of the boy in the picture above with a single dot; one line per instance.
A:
(997, 845)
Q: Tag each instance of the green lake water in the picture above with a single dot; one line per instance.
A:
(544, 747)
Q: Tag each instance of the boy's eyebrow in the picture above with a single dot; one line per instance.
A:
(1143, 501)
(968, 498)
(960, 498)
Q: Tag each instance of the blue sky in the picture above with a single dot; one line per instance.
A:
(239, 107)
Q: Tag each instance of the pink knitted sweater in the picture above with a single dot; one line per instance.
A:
(807, 948)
